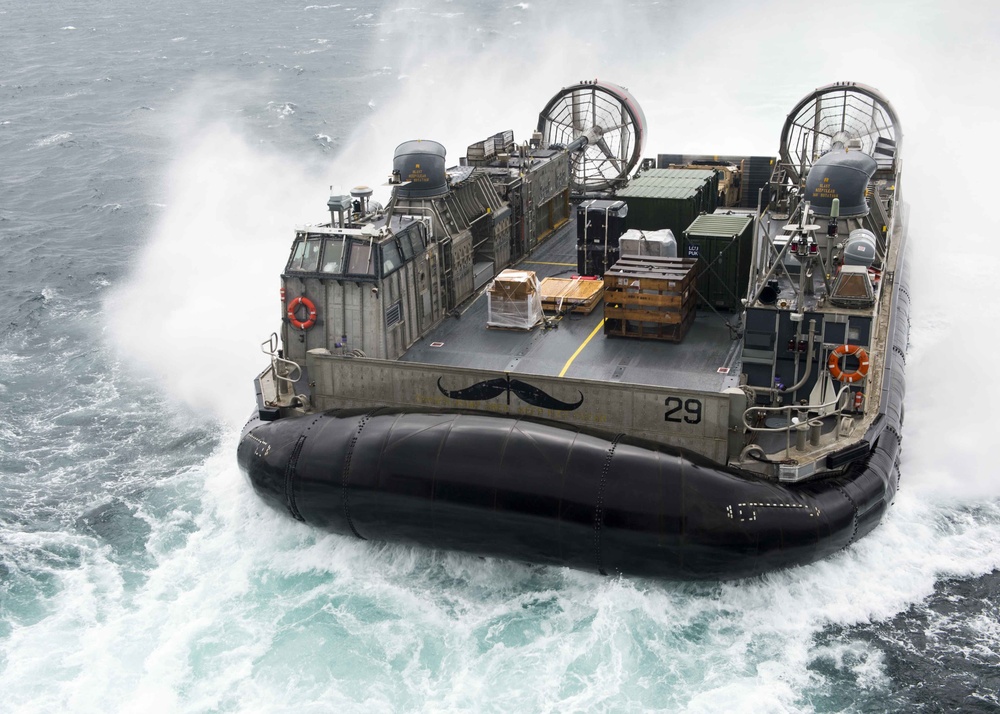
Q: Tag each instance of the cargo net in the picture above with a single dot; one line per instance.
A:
(515, 302)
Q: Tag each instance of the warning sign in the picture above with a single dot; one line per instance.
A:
(417, 174)
(825, 190)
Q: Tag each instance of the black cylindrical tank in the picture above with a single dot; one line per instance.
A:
(421, 167)
(840, 174)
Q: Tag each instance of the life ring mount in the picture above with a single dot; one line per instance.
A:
(293, 307)
(833, 364)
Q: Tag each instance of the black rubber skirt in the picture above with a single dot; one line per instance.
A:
(546, 493)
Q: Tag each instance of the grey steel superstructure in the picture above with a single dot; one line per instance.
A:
(788, 382)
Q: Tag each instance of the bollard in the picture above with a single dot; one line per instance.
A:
(801, 432)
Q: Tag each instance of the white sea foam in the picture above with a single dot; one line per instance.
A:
(54, 139)
(236, 591)
(282, 109)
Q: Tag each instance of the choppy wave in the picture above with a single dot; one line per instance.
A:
(54, 139)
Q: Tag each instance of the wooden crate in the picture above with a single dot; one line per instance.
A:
(650, 298)
(650, 329)
(559, 294)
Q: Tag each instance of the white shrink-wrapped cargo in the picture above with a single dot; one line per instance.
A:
(515, 302)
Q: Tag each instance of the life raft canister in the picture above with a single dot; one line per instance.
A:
(293, 307)
(849, 377)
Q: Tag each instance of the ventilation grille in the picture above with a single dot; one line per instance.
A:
(394, 314)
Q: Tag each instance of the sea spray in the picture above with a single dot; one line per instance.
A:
(203, 294)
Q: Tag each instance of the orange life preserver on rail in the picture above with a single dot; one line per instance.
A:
(293, 306)
(850, 377)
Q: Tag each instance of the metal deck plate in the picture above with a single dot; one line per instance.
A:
(706, 360)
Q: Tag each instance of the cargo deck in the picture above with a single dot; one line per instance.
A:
(575, 346)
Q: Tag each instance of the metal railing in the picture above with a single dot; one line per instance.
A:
(796, 419)
(284, 371)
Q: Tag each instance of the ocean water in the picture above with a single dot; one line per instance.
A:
(154, 159)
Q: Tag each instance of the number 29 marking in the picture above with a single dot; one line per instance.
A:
(691, 407)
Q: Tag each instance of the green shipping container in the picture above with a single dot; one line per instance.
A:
(653, 207)
(706, 179)
(723, 245)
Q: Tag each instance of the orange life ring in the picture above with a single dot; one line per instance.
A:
(850, 377)
(293, 306)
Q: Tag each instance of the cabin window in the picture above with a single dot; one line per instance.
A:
(419, 233)
(362, 258)
(391, 258)
(305, 255)
(333, 256)
(406, 245)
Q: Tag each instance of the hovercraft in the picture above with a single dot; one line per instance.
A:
(558, 351)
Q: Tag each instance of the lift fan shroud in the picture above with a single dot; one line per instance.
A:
(842, 112)
(612, 123)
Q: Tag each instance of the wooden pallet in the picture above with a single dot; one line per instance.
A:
(616, 311)
(663, 275)
(512, 328)
(650, 298)
(650, 329)
(559, 294)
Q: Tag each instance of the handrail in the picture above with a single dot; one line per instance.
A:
(794, 407)
(809, 359)
(270, 348)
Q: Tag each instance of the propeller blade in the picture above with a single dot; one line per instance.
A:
(606, 150)
(577, 100)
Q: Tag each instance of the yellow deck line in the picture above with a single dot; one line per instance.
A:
(542, 262)
(580, 348)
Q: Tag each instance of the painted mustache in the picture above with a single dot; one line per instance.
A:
(492, 388)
